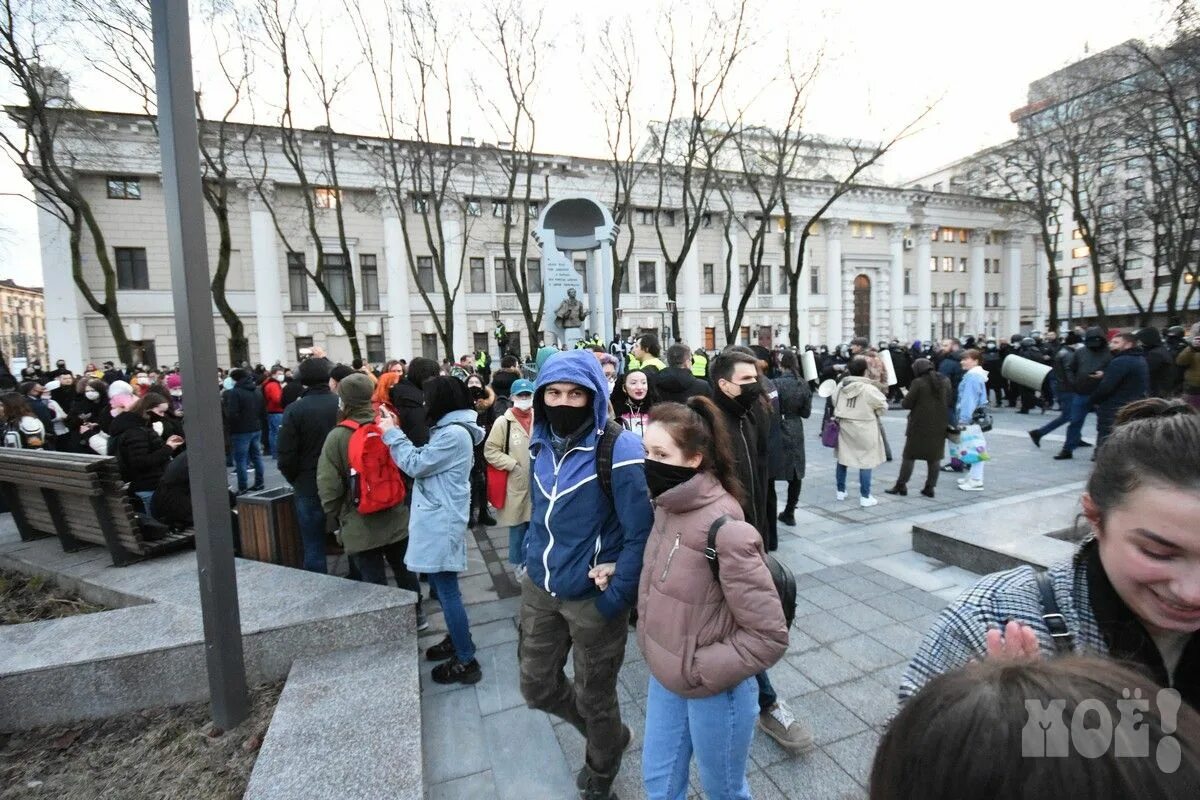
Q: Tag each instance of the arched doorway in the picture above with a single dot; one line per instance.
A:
(862, 306)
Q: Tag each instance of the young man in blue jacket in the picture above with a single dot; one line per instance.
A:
(583, 560)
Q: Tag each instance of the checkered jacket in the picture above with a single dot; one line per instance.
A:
(959, 634)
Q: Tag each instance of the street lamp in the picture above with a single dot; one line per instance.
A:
(666, 329)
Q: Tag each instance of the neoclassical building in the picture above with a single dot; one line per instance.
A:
(884, 262)
(22, 322)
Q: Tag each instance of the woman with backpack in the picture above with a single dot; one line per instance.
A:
(20, 426)
(705, 629)
(1130, 592)
(441, 497)
(374, 539)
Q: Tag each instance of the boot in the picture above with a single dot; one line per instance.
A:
(788, 517)
(927, 491)
(485, 518)
(899, 489)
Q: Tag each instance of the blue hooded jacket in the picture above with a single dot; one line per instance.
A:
(574, 525)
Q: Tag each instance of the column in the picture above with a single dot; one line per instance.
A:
(66, 331)
(395, 259)
(975, 298)
(896, 244)
(924, 326)
(834, 228)
(268, 298)
(689, 301)
(452, 229)
(803, 304)
(600, 284)
(1041, 287)
(729, 256)
(1012, 282)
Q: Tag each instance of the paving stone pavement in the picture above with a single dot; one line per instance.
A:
(865, 601)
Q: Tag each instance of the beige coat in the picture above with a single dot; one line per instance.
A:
(518, 501)
(858, 404)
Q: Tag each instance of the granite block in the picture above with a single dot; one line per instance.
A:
(472, 787)
(870, 701)
(828, 719)
(452, 749)
(824, 667)
(855, 754)
(500, 688)
(862, 617)
(517, 742)
(866, 653)
(824, 627)
(813, 776)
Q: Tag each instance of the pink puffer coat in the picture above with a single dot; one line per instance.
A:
(700, 638)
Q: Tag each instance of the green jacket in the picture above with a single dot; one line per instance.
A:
(356, 532)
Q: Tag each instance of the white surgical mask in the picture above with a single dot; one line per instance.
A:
(279, 377)
(523, 403)
(144, 381)
(177, 393)
(612, 384)
(92, 394)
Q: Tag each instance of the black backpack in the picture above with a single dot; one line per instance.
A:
(604, 456)
(781, 575)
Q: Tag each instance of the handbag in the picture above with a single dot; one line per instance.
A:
(497, 479)
(971, 448)
(830, 427)
(983, 418)
(98, 442)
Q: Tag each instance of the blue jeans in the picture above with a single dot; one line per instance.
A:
(147, 498)
(311, 519)
(246, 449)
(717, 729)
(1066, 401)
(864, 480)
(516, 544)
(273, 423)
(1079, 412)
(766, 692)
(446, 586)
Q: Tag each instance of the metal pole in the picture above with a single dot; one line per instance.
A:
(188, 250)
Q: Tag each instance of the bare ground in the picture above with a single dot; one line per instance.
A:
(29, 598)
(163, 754)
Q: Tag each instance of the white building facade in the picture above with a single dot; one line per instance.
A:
(883, 263)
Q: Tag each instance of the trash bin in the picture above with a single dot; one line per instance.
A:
(268, 528)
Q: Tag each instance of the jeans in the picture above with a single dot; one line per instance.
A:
(273, 423)
(246, 449)
(864, 480)
(446, 586)
(717, 729)
(311, 519)
(1066, 403)
(1079, 412)
(516, 544)
(1106, 417)
(147, 498)
(766, 692)
(372, 566)
(552, 628)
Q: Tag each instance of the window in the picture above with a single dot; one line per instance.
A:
(1077, 235)
(474, 207)
(668, 218)
(782, 286)
(303, 343)
(1162, 280)
(1080, 252)
(862, 230)
(933, 263)
(947, 234)
(743, 276)
(625, 278)
(337, 280)
(647, 279)
(325, 197)
(420, 204)
(764, 279)
(814, 282)
(708, 279)
(429, 345)
(1133, 264)
(124, 187)
(645, 216)
(1108, 210)
(706, 219)
(933, 236)
(1106, 287)
(297, 282)
(375, 349)
(933, 299)
(962, 300)
(533, 275)
(995, 266)
(962, 235)
(962, 264)
(1080, 290)
(532, 208)
(478, 274)
(500, 209)
(500, 269)
(369, 276)
(908, 281)
(131, 268)
(1134, 284)
(425, 273)
(947, 263)
(995, 299)
(581, 268)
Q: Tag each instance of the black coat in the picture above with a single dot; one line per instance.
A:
(749, 431)
(676, 385)
(1162, 371)
(83, 411)
(795, 406)
(302, 433)
(925, 435)
(141, 455)
(172, 502)
(1126, 378)
(244, 407)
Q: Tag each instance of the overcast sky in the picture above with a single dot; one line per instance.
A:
(882, 62)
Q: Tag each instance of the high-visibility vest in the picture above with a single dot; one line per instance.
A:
(699, 365)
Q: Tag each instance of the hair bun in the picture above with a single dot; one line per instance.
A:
(1153, 408)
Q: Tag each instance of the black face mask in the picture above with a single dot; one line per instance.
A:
(565, 420)
(749, 396)
(662, 477)
(477, 392)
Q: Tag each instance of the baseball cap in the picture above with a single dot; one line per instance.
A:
(521, 386)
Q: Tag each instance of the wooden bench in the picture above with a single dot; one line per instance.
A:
(82, 500)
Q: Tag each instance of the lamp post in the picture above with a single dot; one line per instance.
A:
(666, 329)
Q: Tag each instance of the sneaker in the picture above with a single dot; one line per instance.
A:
(971, 486)
(454, 671)
(867, 502)
(787, 518)
(441, 651)
(422, 621)
(1036, 437)
(1065, 455)
(841, 495)
(779, 723)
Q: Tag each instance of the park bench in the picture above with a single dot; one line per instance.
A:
(82, 500)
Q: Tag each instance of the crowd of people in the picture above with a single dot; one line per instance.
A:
(638, 486)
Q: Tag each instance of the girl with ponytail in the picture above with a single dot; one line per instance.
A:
(705, 632)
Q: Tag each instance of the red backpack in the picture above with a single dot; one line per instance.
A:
(376, 483)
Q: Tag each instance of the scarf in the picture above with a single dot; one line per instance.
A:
(524, 417)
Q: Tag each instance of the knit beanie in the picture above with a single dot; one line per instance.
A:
(355, 390)
(314, 371)
(341, 371)
(174, 381)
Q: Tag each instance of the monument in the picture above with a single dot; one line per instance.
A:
(568, 227)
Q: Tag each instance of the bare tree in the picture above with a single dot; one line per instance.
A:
(42, 151)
